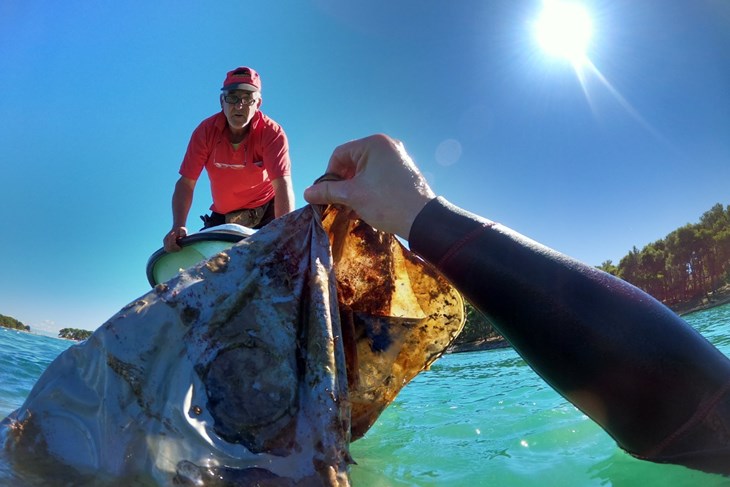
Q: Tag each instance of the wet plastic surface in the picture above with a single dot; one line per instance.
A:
(398, 313)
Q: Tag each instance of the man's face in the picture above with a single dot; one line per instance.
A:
(239, 107)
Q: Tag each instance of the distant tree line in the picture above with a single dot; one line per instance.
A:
(9, 322)
(477, 327)
(74, 334)
(685, 266)
(69, 333)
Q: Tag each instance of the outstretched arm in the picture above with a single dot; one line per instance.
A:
(623, 358)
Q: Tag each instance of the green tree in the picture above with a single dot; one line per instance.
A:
(685, 266)
(10, 322)
(477, 327)
(722, 243)
(607, 266)
(714, 223)
(629, 268)
(74, 334)
(653, 263)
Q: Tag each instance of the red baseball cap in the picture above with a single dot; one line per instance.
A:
(242, 78)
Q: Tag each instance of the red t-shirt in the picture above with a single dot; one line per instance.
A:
(239, 178)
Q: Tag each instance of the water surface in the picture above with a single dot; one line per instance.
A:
(479, 418)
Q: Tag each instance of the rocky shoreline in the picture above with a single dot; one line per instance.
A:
(475, 346)
(716, 298)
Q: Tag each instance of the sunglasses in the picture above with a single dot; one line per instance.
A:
(235, 100)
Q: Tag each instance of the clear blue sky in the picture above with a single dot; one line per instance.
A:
(98, 100)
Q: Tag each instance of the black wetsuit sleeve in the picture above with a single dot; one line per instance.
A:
(618, 354)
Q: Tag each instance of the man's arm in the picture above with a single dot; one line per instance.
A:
(284, 196)
(647, 377)
(182, 200)
(618, 354)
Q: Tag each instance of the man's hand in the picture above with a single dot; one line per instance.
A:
(380, 182)
(170, 240)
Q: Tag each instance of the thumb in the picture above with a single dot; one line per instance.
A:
(326, 193)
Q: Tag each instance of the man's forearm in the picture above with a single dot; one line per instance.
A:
(283, 196)
(182, 200)
(608, 347)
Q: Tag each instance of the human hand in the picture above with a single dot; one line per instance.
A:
(170, 240)
(380, 182)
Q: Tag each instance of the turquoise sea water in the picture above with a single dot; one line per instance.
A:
(481, 418)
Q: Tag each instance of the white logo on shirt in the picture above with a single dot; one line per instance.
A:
(222, 165)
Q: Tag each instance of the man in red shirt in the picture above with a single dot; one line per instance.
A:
(246, 155)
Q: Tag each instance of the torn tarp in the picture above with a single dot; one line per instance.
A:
(236, 371)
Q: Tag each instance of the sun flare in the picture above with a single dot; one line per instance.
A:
(564, 29)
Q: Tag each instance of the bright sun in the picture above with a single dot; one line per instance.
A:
(564, 29)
